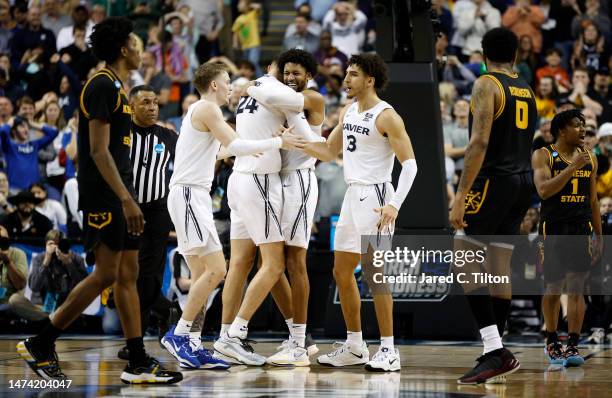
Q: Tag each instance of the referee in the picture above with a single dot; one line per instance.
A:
(152, 152)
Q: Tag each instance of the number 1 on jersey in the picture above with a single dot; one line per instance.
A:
(522, 118)
(574, 186)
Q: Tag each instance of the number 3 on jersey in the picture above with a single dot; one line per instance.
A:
(522, 118)
(247, 103)
(352, 143)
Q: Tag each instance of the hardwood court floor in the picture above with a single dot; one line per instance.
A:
(429, 369)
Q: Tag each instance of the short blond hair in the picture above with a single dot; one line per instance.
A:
(206, 73)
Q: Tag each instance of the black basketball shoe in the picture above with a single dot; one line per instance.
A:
(42, 361)
(491, 367)
(150, 371)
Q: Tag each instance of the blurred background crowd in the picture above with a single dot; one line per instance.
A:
(565, 54)
(44, 63)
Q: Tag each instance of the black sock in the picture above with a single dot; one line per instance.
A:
(551, 337)
(137, 350)
(482, 308)
(501, 310)
(46, 338)
(573, 339)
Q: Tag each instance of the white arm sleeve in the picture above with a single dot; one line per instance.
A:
(242, 147)
(276, 95)
(302, 128)
(406, 178)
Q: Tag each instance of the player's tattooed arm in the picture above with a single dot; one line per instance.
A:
(482, 106)
(483, 109)
(329, 150)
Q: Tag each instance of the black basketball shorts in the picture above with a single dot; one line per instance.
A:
(566, 248)
(109, 227)
(496, 205)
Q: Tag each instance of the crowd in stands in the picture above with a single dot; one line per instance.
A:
(565, 55)
(45, 61)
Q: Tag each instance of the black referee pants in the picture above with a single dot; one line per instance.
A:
(152, 259)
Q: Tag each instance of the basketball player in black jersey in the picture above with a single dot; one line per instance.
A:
(494, 194)
(565, 176)
(112, 220)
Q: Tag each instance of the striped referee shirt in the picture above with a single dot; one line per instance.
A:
(151, 153)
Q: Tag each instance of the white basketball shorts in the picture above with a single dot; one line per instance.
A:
(190, 209)
(300, 194)
(256, 202)
(358, 220)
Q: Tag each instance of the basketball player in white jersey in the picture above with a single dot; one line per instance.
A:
(202, 132)
(255, 199)
(369, 134)
(300, 194)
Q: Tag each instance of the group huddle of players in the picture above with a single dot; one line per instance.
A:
(272, 197)
(272, 194)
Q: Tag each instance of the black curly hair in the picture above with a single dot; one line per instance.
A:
(300, 57)
(500, 45)
(109, 36)
(563, 119)
(374, 66)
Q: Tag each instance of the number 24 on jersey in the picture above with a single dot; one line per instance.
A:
(247, 104)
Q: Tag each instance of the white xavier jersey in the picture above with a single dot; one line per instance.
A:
(196, 154)
(297, 160)
(257, 122)
(367, 155)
